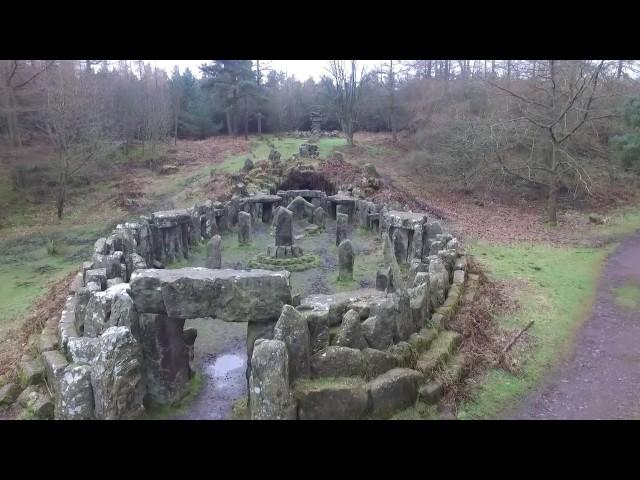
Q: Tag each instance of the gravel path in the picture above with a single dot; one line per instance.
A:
(601, 379)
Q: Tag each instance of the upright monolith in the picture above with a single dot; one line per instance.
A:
(244, 228)
(345, 261)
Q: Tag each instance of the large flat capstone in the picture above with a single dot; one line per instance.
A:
(407, 220)
(230, 295)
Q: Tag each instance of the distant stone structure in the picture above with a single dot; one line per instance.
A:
(316, 122)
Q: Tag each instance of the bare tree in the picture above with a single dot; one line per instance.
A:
(346, 83)
(557, 103)
(72, 121)
(16, 76)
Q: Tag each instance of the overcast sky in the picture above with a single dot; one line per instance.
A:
(302, 69)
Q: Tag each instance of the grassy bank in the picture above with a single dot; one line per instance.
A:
(554, 287)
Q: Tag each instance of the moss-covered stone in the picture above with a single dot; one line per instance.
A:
(294, 264)
(332, 398)
(440, 351)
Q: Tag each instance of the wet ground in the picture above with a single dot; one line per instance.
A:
(220, 348)
(601, 379)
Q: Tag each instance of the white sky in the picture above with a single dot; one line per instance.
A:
(302, 69)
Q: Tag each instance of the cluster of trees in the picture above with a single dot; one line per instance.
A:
(538, 122)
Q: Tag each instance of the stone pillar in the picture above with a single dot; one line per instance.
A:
(269, 393)
(214, 252)
(345, 261)
(284, 227)
(319, 217)
(244, 228)
(342, 221)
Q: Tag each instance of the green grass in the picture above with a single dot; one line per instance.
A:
(260, 148)
(557, 294)
(628, 296)
(419, 411)
(622, 221)
(27, 269)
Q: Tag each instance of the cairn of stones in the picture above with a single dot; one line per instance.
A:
(120, 346)
(316, 122)
(308, 150)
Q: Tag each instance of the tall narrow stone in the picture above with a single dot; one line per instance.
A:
(214, 252)
(293, 330)
(319, 217)
(345, 261)
(284, 227)
(341, 227)
(269, 394)
(244, 228)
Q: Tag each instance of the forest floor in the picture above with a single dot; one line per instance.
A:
(550, 273)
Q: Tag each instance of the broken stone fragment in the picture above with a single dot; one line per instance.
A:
(350, 333)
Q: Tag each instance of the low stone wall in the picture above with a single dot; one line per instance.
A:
(361, 354)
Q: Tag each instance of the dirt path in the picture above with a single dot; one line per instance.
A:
(601, 379)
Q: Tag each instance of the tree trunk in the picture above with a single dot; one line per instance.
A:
(175, 131)
(259, 123)
(62, 193)
(620, 64)
(552, 198)
(246, 118)
(392, 110)
(228, 118)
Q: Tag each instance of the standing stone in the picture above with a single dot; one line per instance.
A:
(319, 217)
(400, 240)
(214, 252)
(345, 261)
(383, 279)
(341, 227)
(244, 228)
(284, 227)
(269, 394)
(116, 376)
(75, 398)
(292, 329)
(165, 358)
